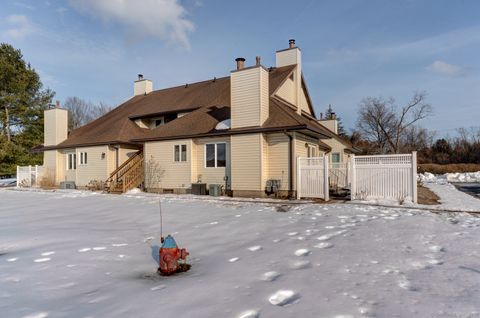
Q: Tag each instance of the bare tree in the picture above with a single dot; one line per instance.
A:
(82, 112)
(385, 124)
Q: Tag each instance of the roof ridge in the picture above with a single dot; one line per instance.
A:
(194, 83)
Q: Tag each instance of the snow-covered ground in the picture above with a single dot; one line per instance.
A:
(8, 182)
(450, 197)
(81, 254)
(428, 177)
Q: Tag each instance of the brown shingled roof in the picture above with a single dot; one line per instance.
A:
(208, 103)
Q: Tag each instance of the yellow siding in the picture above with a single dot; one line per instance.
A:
(112, 160)
(246, 162)
(174, 175)
(304, 102)
(278, 167)
(287, 91)
(210, 175)
(53, 161)
(337, 147)
(288, 57)
(69, 175)
(264, 160)
(96, 167)
(195, 162)
(56, 126)
(264, 95)
(249, 96)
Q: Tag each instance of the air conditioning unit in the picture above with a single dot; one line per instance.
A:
(199, 188)
(273, 185)
(67, 185)
(215, 190)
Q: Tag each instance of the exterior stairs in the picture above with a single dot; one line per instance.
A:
(127, 176)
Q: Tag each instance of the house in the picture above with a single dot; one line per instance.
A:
(238, 131)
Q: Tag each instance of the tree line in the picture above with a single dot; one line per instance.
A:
(23, 99)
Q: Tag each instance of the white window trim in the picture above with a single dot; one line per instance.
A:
(215, 158)
(339, 157)
(312, 151)
(180, 153)
(82, 157)
(67, 157)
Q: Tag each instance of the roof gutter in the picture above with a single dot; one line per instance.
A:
(109, 143)
(222, 133)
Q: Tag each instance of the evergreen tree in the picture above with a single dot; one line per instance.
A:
(330, 114)
(22, 102)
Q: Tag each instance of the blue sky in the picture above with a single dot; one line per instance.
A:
(351, 49)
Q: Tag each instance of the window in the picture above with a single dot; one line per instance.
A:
(83, 158)
(215, 155)
(180, 153)
(312, 151)
(71, 161)
(159, 121)
(335, 157)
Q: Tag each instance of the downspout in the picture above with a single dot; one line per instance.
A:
(290, 163)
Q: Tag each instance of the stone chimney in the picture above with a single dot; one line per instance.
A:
(249, 95)
(142, 86)
(290, 56)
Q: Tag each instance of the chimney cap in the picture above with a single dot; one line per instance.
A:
(291, 43)
(57, 104)
(140, 77)
(240, 63)
(258, 60)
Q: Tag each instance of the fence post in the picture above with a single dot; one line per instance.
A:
(325, 179)
(18, 169)
(298, 178)
(36, 175)
(414, 176)
(30, 176)
(353, 178)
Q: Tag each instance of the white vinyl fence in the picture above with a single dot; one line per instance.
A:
(391, 177)
(312, 178)
(338, 176)
(29, 176)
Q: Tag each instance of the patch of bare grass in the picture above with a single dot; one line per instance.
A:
(448, 168)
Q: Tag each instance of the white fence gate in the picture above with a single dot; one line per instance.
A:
(312, 178)
(391, 177)
(29, 176)
(338, 176)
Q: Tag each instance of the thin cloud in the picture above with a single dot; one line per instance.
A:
(163, 19)
(20, 26)
(443, 68)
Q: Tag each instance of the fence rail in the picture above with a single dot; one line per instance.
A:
(384, 177)
(29, 176)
